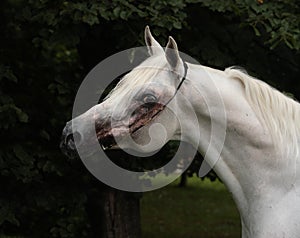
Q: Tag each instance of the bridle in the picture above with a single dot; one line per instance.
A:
(181, 81)
(164, 105)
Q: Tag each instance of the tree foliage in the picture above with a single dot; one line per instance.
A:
(49, 45)
(279, 20)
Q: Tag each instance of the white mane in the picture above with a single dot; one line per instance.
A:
(279, 113)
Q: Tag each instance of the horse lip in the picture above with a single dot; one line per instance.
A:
(107, 137)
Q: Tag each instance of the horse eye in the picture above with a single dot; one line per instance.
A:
(149, 98)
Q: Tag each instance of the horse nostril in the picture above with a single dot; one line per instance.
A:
(72, 138)
(77, 137)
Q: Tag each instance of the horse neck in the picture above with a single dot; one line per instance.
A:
(249, 165)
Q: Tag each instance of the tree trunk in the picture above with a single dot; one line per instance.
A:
(183, 180)
(121, 214)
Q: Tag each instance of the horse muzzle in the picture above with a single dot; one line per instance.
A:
(87, 131)
(85, 135)
(68, 138)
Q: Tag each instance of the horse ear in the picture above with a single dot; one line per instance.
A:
(153, 46)
(172, 53)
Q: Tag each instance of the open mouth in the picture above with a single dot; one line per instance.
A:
(144, 115)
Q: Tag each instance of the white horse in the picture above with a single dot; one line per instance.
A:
(259, 159)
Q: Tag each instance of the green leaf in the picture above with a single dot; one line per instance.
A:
(21, 154)
(44, 134)
(116, 11)
(6, 72)
(22, 116)
(123, 15)
(257, 33)
(177, 25)
(288, 43)
(6, 214)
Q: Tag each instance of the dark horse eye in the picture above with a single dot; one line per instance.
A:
(149, 98)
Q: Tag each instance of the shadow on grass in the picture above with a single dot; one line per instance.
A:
(202, 209)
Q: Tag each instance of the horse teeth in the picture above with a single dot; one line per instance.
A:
(104, 147)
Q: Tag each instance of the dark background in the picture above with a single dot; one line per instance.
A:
(48, 46)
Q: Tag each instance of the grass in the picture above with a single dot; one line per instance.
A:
(202, 209)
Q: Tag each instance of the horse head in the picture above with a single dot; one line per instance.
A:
(139, 112)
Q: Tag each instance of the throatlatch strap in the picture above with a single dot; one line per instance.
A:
(184, 76)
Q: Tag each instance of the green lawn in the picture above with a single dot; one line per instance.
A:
(202, 209)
